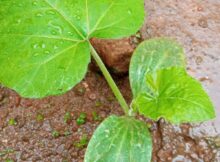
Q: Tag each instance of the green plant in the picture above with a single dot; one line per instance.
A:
(40, 117)
(9, 160)
(95, 116)
(12, 122)
(6, 152)
(67, 117)
(81, 119)
(82, 142)
(45, 46)
(55, 134)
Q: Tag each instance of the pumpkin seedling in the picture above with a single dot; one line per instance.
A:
(67, 117)
(6, 151)
(50, 55)
(40, 117)
(95, 116)
(12, 122)
(82, 142)
(81, 119)
(9, 160)
(55, 134)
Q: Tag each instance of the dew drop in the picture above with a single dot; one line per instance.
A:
(55, 47)
(53, 32)
(129, 12)
(43, 45)
(36, 54)
(78, 17)
(39, 14)
(34, 3)
(50, 12)
(70, 33)
(47, 52)
(57, 27)
(35, 46)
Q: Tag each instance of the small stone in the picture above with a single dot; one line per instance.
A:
(60, 149)
(199, 60)
(102, 114)
(115, 54)
(92, 96)
(46, 126)
(203, 23)
(199, 8)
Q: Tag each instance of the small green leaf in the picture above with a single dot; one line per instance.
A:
(81, 119)
(175, 96)
(67, 117)
(150, 56)
(6, 152)
(55, 134)
(12, 122)
(82, 115)
(9, 160)
(82, 143)
(45, 43)
(95, 116)
(120, 139)
(40, 117)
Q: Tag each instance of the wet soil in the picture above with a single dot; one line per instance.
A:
(38, 130)
(32, 136)
(196, 25)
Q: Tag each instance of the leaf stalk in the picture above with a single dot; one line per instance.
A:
(110, 81)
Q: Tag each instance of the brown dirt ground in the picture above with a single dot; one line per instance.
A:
(196, 24)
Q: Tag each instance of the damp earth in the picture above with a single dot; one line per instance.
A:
(58, 128)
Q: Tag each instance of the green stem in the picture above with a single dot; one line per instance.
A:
(110, 81)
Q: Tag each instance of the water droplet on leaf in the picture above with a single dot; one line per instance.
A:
(39, 14)
(47, 52)
(129, 12)
(36, 54)
(57, 27)
(55, 47)
(50, 12)
(70, 33)
(34, 3)
(35, 46)
(53, 32)
(78, 17)
(43, 45)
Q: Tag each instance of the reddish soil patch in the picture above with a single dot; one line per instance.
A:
(33, 139)
(40, 132)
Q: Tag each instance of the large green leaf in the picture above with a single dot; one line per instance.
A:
(44, 43)
(175, 96)
(120, 139)
(150, 56)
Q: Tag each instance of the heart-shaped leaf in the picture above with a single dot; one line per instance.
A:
(175, 96)
(120, 139)
(150, 56)
(45, 43)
